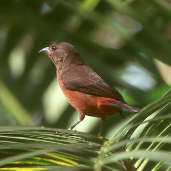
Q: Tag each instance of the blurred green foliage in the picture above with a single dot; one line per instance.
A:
(121, 40)
(127, 42)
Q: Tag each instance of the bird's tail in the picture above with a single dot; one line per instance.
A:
(130, 108)
(125, 106)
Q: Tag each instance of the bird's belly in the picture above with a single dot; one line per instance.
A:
(84, 103)
(89, 104)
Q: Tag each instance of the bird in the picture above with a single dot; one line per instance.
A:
(84, 89)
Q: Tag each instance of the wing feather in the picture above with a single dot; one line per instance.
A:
(82, 78)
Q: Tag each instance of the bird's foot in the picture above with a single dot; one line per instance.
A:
(100, 137)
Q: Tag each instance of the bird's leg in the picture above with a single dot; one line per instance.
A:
(82, 116)
(101, 126)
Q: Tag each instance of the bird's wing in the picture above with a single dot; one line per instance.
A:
(83, 79)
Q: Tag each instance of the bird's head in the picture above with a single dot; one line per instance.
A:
(61, 54)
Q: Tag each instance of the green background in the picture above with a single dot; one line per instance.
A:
(123, 41)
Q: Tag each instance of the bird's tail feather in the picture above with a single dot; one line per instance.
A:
(130, 108)
(125, 106)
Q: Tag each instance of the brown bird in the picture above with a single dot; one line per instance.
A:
(85, 90)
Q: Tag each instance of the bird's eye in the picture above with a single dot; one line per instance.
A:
(53, 47)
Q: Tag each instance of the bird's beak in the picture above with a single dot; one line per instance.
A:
(45, 50)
